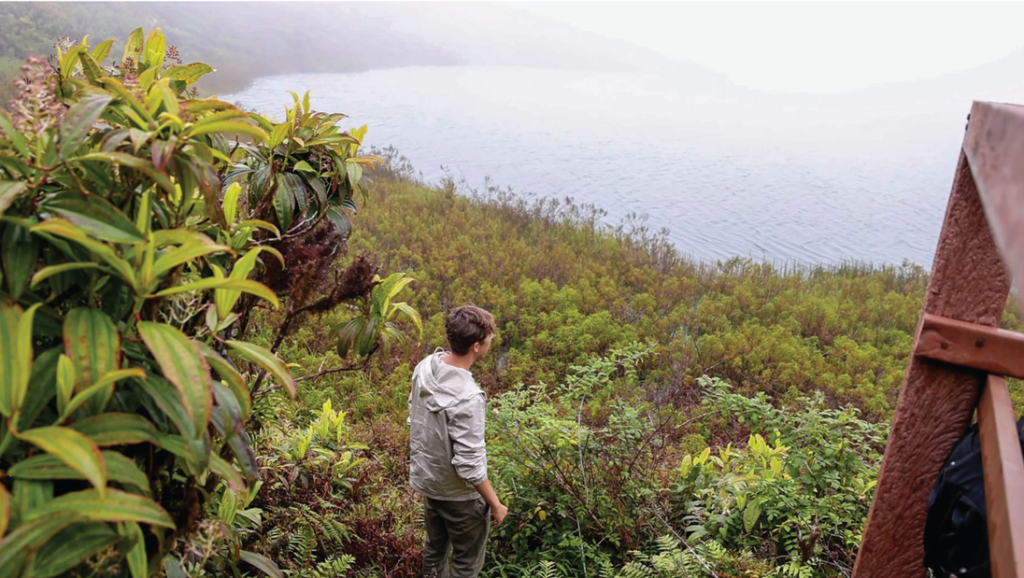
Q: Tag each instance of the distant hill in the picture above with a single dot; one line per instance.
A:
(245, 40)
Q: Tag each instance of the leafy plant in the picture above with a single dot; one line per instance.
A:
(128, 244)
(376, 327)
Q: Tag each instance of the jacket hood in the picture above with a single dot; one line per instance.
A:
(443, 385)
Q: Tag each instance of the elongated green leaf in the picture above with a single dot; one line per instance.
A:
(116, 506)
(154, 49)
(90, 68)
(15, 358)
(28, 538)
(244, 285)
(231, 202)
(188, 73)
(229, 127)
(41, 386)
(96, 216)
(92, 343)
(19, 251)
(184, 254)
(64, 228)
(127, 160)
(137, 560)
(165, 237)
(70, 547)
(50, 467)
(78, 121)
(47, 272)
(227, 471)
(5, 510)
(17, 139)
(114, 429)
(74, 449)
(267, 360)
(257, 223)
(69, 61)
(225, 299)
(184, 367)
(284, 201)
(9, 191)
(234, 380)
(102, 50)
(173, 568)
(65, 382)
(133, 47)
(340, 220)
(99, 387)
(262, 563)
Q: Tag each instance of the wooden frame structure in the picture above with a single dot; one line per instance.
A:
(959, 360)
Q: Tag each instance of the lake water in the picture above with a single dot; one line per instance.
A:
(810, 181)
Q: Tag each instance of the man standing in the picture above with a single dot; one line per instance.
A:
(448, 457)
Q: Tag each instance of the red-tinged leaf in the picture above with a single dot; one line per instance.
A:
(114, 429)
(93, 345)
(267, 360)
(262, 563)
(116, 506)
(29, 537)
(228, 373)
(74, 449)
(184, 367)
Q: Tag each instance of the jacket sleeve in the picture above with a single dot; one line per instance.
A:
(466, 432)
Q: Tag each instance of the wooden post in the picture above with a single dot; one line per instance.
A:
(937, 400)
(1004, 480)
(969, 283)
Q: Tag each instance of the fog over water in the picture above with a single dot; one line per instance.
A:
(819, 174)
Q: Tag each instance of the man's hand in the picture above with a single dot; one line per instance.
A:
(498, 514)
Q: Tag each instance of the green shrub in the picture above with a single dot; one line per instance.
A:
(131, 222)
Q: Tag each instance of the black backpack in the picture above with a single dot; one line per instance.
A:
(956, 531)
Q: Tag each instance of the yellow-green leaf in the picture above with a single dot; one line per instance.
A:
(229, 127)
(99, 387)
(267, 360)
(74, 449)
(5, 510)
(47, 272)
(184, 254)
(116, 506)
(114, 429)
(230, 375)
(252, 287)
(137, 559)
(65, 229)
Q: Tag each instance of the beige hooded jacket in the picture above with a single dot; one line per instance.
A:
(447, 412)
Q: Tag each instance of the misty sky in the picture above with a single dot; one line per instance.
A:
(808, 47)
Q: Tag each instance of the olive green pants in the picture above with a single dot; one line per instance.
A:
(459, 528)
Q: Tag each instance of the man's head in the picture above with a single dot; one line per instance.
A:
(470, 330)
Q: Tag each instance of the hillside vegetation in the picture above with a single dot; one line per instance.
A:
(209, 320)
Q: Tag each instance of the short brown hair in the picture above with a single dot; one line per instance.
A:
(467, 325)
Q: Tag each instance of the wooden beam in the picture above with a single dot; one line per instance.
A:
(995, 150)
(988, 349)
(1004, 480)
(937, 401)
